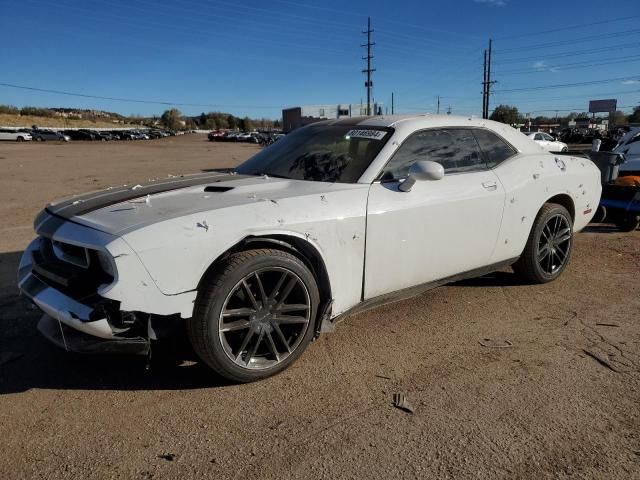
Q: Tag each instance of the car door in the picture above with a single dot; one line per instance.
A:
(5, 135)
(438, 229)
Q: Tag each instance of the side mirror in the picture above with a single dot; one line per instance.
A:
(420, 171)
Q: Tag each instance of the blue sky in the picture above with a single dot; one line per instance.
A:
(251, 57)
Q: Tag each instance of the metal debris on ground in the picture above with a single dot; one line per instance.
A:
(489, 343)
(401, 402)
(167, 456)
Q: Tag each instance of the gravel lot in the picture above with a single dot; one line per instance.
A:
(562, 401)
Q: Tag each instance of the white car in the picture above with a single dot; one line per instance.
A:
(333, 218)
(629, 144)
(547, 142)
(14, 135)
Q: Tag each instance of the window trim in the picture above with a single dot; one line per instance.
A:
(378, 178)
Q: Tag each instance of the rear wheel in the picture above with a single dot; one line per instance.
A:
(255, 315)
(20, 139)
(549, 246)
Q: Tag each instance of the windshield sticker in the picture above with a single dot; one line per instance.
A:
(372, 134)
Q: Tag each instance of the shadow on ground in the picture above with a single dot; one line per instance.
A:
(28, 361)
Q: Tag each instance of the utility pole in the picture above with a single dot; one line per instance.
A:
(484, 87)
(449, 110)
(368, 70)
(392, 104)
(486, 91)
(438, 111)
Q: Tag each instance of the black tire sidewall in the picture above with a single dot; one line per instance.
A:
(541, 221)
(215, 355)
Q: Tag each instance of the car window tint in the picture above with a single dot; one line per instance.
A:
(547, 137)
(455, 149)
(538, 137)
(495, 149)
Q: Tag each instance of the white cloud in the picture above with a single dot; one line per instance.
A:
(631, 82)
(492, 3)
(539, 65)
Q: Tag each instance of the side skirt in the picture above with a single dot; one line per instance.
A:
(328, 325)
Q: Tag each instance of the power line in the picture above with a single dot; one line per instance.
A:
(570, 66)
(573, 40)
(589, 51)
(132, 100)
(564, 85)
(570, 27)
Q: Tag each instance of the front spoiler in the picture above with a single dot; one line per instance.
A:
(73, 340)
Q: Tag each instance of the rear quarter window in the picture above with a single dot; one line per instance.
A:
(494, 148)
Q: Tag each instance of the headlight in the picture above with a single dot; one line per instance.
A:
(106, 263)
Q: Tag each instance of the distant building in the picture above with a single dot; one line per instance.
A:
(297, 117)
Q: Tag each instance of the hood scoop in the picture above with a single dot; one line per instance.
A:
(217, 189)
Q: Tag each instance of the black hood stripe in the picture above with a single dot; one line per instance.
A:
(90, 202)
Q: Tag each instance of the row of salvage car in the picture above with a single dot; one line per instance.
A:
(44, 135)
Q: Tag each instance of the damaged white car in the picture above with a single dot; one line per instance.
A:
(335, 217)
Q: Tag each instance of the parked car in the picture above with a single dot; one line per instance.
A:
(14, 135)
(258, 261)
(629, 145)
(547, 142)
(49, 135)
(79, 135)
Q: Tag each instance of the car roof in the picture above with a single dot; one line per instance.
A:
(407, 124)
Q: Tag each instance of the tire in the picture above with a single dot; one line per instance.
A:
(39, 139)
(236, 335)
(20, 139)
(629, 223)
(600, 215)
(548, 249)
(564, 150)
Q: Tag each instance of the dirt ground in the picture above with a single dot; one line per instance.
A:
(562, 400)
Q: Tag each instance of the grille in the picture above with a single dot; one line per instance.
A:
(73, 270)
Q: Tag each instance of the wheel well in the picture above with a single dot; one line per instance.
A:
(297, 247)
(567, 202)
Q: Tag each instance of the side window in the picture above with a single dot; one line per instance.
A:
(455, 149)
(495, 149)
(538, 137)
(547, 137)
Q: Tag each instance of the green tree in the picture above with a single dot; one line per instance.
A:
(233, 123)
(635, 116)
(172, 119)
(506, 114)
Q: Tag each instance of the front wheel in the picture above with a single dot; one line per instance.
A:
(254, 315)
(20, 139)
(549, 246)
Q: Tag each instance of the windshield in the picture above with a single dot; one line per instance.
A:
(320, 153)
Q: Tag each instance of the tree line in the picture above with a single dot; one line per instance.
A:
(510, 115)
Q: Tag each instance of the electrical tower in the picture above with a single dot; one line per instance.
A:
(487, 82)
(368, 58)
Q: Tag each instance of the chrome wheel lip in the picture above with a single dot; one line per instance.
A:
(261, 363)
(554, 244)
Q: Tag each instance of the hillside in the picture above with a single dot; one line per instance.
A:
(12, 120)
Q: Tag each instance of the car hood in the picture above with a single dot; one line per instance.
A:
(124, 209)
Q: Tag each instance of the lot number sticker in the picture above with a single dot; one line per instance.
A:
(372, 134)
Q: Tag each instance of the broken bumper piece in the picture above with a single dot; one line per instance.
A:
(80, 323)
(73, 340)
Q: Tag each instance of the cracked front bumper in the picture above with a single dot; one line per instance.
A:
(74, 324)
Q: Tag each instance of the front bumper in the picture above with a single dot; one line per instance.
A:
(73, 340)
(80, 325)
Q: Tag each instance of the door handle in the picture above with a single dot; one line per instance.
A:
(491, 186)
